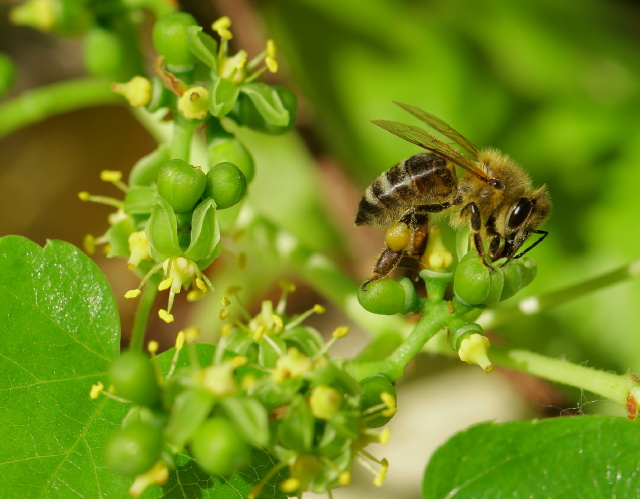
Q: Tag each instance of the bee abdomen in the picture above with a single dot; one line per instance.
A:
(401, 188)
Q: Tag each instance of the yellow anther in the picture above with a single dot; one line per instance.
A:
(272, 64)
(165, 316)
(258, 333)
(290, 485)
(277, 320)
(152, 346)
(84, 196)
(344, 478)
(201, 285)
(382, 474)
(180, 339)
(287, 286)
(226, 329)
(233, 290)
(132, 293)
(398, 236)
(110, 175)
(384, 436)
(225, 301)
(340, 332)
(165, 283)
(221, 26)
(388, 400)
(319, 309)
(271, 48)
(89, 243)
(194, 295)
(224, 313)
(96, 390)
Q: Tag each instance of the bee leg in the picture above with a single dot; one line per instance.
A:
(495, 251)
(387, 261)
(476, 227)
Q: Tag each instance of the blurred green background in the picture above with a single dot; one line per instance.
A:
(552, 83)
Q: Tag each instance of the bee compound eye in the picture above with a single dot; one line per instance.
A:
(520, 212)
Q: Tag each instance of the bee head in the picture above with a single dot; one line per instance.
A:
(524, 217)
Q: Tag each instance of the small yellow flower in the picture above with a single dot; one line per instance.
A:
(165, 316)
(473, 350)
(193, 103)
(137, 91)
(132, 293)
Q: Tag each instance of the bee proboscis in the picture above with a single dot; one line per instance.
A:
(493, 195)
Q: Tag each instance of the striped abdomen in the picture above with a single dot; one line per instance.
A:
(422, 179)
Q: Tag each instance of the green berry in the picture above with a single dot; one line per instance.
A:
(226, 185)
(134, 449)
(134, 378)
(230, 149)
(384, 297)
(170, 41)
(103, 52)
(181, 184)
(475, 284)
(372, 388)
(218, 447)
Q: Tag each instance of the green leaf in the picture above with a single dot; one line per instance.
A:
(267, 102)
(140, 200)
(223, 95)
(162, 232)
(205, 233)
(250, 417)
(60, 330)
(203, 46)
(297, 429)
(585, 456)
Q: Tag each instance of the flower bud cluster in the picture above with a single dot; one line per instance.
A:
(268, 386)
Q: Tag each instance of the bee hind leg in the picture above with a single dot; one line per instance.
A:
(387, 261)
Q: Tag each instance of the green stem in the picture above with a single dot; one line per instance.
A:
(536, 304)
(145, 305)
(615, 387)
(41, 103)
(182, 135)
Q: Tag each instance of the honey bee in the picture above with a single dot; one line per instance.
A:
(494, 196)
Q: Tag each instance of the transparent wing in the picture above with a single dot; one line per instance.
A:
(424, 139)
(442, 127)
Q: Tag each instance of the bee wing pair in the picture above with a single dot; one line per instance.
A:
(424, 139)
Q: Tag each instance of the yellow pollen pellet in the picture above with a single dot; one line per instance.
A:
(398, 236)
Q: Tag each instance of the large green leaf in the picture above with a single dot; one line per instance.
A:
(59, 330)
(564, 457)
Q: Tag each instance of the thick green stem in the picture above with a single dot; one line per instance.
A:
(145, 305)
(41, 103)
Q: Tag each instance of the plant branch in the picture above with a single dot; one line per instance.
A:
(535, 304)
(41, 103)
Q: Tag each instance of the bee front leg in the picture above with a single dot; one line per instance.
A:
(476, 227)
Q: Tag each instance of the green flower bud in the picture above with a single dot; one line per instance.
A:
(218, 447)
(231, 150)
(104, 53)
(372, 389)
(170, 41)
(133, 377)
(384, 297)
(225, 184)
(474, 284)
(134, 449)
(181, 184)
